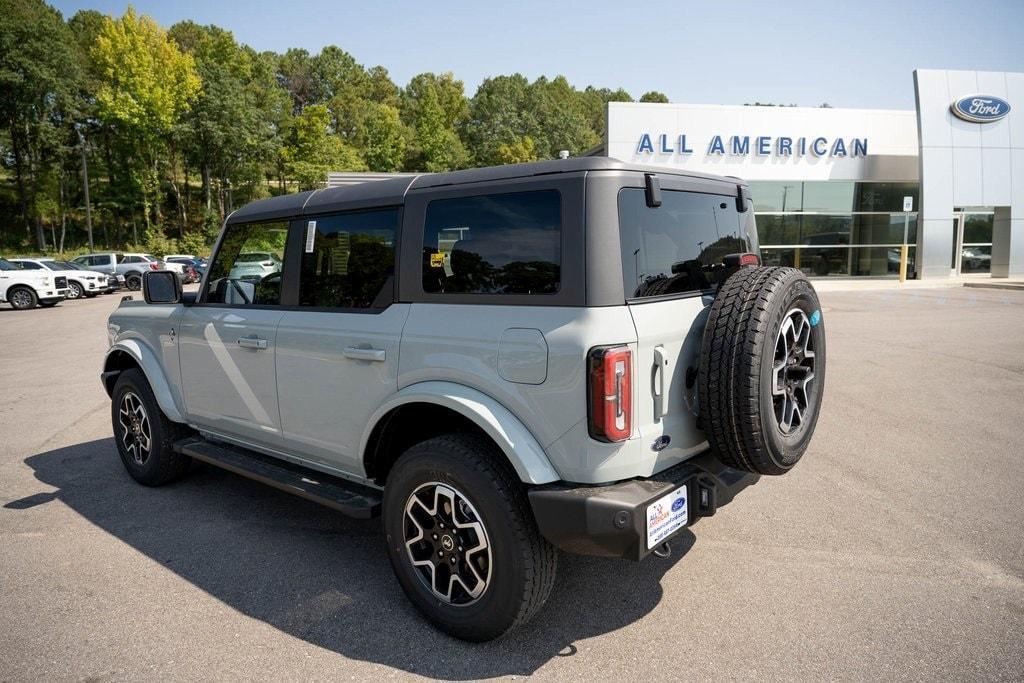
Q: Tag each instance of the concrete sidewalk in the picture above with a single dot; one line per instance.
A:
(855, 284)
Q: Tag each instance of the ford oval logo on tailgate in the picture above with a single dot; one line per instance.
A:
(678, 504)
(980, 108)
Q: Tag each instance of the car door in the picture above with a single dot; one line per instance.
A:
(228, 342)
(337, 351)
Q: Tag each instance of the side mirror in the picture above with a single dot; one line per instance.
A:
(161, 287)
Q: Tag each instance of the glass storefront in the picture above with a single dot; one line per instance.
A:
(836, 228)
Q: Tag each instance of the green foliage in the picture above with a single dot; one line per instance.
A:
(519, 152)
(385, 141)
(435, 105)
(311, 151)
(654, 96)
(194, 242)
(146, 82)
(179, 127)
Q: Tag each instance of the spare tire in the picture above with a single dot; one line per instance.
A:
(761, 374)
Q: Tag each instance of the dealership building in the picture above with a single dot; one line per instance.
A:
(837, 192)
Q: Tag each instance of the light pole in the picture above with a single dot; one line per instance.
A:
(85, 186)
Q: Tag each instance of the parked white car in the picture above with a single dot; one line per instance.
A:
(24, 289)
(255, 265)
(81, 283)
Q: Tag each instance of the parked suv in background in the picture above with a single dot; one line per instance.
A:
(578, 354)
(129, 266)
(81, 283)
(24, 289)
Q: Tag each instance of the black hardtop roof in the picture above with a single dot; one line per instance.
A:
(392, 191)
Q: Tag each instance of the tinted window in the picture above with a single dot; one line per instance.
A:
(237, 281)
(494, 244)
(348, 260)
(29, 265)
(677, 247)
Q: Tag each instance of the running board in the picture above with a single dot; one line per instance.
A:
(345, 496)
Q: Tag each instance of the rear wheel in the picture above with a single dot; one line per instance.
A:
(462, 539)
(143, 434)
(762, 369)
(22, 298)
(133, 281)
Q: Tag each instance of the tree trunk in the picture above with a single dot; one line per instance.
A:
(135, 231)
(63, 216)
(40, 233)
(19, 172)
(207, 190)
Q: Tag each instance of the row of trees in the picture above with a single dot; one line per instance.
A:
(174, 128)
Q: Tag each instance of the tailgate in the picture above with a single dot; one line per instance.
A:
(668, 343)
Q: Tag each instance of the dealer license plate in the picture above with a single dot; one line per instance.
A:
(665, 516)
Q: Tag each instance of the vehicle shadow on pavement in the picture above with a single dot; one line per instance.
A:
(323, 577)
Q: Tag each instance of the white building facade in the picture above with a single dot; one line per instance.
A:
(838, 191)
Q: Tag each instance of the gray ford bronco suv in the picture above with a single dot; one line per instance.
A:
(578, 354)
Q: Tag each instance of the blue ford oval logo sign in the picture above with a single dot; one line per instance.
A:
(980, 108)
(678, 504)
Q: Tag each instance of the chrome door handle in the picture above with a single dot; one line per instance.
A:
(660, 368)
(253, 343)
(358, 353)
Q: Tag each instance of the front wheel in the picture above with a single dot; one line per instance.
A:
(144, 435)
(462, 540)
(22, 298)
(75, 290)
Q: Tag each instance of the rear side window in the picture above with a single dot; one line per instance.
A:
(494, 244)
(349, 260)
(677, 247)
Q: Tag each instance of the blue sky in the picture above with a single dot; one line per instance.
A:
(850, 54)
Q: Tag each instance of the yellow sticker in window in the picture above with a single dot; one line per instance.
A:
(437, 259)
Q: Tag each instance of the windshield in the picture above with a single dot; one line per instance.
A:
(67, 265)
(7, 265)
(53, 265)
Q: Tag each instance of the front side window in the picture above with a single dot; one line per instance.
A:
(494, 244)
(247, 268)
(677, 247)
(348, 260)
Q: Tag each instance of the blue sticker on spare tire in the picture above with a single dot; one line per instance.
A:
(815, 318)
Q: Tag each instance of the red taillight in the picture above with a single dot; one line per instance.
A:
(749, 260)
(610, 393)
(153, 265)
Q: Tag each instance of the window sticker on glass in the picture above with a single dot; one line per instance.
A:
(437, 259)
(310, 236)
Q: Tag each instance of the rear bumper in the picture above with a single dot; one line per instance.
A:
(611, 520)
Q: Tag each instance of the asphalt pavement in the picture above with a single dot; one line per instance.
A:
(894, 550)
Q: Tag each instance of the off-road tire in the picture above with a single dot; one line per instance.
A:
(735, 374)
(162, 465)
(523, 563)
(22, 298)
